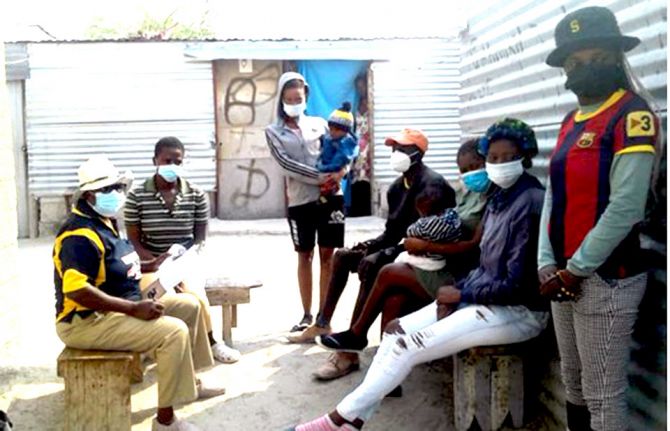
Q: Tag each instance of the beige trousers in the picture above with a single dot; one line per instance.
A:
(178, 340)
(194, 287)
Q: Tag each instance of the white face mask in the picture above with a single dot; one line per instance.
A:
(505, 175)
(294, 110)
(400, 162)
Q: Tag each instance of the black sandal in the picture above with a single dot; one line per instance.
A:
(304, 323)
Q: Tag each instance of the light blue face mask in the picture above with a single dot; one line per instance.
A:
(476, 181)
(170, 173)
(108, 204)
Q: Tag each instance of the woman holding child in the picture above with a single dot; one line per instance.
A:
(440, 246)
(295, 143)
(497, 303)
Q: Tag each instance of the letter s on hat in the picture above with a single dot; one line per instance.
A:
(574, 26)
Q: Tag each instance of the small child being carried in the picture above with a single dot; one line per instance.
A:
(338, 147)
(437, 224)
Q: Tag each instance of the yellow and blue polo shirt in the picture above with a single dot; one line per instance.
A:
(89, 252)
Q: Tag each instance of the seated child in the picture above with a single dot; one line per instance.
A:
(339, 147)
(437, 224)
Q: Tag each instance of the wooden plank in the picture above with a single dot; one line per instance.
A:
(483, 392)
(97, 394)
(516, 388)
(462, 414)
(227, 318)
(489, 385)
(69, 354)
(227, 295)
(226, 282)
(499, 390)
(136, 369)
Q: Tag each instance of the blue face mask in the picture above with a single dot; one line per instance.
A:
(170, 173)
(108, 204)
(476, 181)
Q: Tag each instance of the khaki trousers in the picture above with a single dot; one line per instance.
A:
(195, 287)
(178, 340)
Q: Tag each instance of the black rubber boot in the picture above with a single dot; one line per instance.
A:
(579, 418)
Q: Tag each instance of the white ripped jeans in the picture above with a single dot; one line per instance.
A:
(427, 339)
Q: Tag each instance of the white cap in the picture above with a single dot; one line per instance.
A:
(98, 172)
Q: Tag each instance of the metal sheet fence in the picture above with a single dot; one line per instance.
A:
(117, 99)
(422, 94)
(503, 69)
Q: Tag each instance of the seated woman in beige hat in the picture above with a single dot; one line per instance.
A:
(98, 302)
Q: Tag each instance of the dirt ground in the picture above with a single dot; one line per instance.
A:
(269, 389)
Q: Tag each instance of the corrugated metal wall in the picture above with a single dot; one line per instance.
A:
(503, 69)
(118, 99)
(16, 61)
(504, 74)
(420, 92)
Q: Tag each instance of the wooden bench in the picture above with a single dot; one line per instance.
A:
(228, 293)
(97, 388)
(489, 386)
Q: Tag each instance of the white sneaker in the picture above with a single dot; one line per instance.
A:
(176, 425)
(225, 354)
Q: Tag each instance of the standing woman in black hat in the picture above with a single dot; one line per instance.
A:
(589, 254)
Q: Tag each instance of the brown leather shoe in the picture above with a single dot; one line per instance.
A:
(338, 365)
(307, 336)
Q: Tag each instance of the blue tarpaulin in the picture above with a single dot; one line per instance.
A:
(331, 82)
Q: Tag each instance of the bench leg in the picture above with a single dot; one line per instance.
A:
(234, 313)
(227, 318)
(97, 396)
(483, 393)
(516, 402)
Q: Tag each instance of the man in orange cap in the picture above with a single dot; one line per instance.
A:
(368, 257)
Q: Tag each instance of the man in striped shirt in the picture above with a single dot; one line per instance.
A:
(165, 210)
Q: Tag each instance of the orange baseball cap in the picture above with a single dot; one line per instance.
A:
(409, 137)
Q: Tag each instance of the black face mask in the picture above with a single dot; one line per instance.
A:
(596, 79)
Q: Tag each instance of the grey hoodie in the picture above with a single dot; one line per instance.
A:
(297, 153)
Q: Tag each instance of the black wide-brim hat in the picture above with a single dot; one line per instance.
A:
(590, 27)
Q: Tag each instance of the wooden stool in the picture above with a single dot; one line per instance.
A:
(228, 293)
(97, 388)
(488, 385)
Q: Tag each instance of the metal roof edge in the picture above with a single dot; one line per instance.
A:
(322, 49)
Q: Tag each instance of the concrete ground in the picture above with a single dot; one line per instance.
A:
(270, 388)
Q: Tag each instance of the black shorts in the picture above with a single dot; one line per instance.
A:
(325, 218)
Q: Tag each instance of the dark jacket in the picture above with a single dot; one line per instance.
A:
(402, 210)
(507, 272)
(89, 252)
